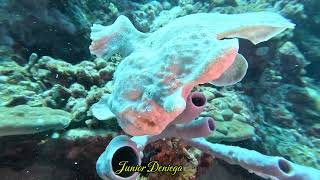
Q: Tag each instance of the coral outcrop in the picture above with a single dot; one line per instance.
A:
(29, 120)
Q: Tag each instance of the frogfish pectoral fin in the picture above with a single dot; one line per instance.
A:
(234, 73)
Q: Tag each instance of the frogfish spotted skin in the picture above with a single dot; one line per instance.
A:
(160, 69)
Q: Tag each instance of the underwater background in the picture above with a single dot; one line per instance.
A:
(49, 81)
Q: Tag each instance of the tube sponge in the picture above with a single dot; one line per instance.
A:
(121, 148)
(194, 106)
(272, 167)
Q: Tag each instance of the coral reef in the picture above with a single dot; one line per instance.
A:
(16, 84)
(231, 114)
(291, 144)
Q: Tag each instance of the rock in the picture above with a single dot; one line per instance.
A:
(166, 16)
(231, 131)
(299, 95)
(209, 95)
(79, 110)
(28, 120)
(292, 9)
(106, 73)
(33, 58)
(113, 9)
(291, 144)
(310, 45)
(80, 133)
(227, 114)
(92, 123)
(15, 83)
(240, 117)
(60, 93)
(316, 142)
(262, 51)
(52, 71)
(292, 62)
(314, 95)
(219, 103)
(17, 100)
(282, 116)
(57, 28)
(314, 130)
(86, 64)
(57, 96)
(216, 115)
(166, 5)
(236, 108)
(299, 153)
(8, 54)
(77, 90)
(100, 63)
(95, 94)
(145, 14)
(305, 102)
(88, 76)
(3, 79)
